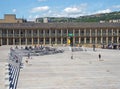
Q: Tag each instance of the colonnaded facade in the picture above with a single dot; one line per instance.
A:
(58, 33)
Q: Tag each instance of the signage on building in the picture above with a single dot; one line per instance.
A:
(70, 34)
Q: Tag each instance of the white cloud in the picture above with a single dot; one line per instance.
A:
(74, 11)
(116, 6)
(103, 11)
(14, 10)
(39, 9)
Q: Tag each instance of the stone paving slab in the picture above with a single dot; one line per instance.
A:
(2, 75)
(84, 71)
(4, 50)
(59, 71)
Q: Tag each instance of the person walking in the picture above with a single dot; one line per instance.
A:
(28, 55)
(27, 58)
(99, 56)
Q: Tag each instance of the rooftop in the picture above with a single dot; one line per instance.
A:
(58, 25)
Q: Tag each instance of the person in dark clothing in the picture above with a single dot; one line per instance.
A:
(99, 56)
(28, 55)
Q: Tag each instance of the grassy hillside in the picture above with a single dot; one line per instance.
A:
(89, 18)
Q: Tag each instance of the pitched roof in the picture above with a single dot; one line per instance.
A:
(59, 25)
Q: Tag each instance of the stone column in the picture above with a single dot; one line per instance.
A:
(90, 37)
(55, 40)
(112, 36)
(67, 32)
(13, 37)
(50, 36)
(55, 36)
(95, 36)
(106, 36)
(32, 36)
(50, 42)
(117, 36)
(1, 41)
(44, 37)
(19, 37)
(1, 37)
(101, 36)
(79, 40)
(61, 38)
(73, 37)
(85, 36)
(25, 37)
(79, 36)
(7, 38)
(79, 32)
(38, 36)
(25, 41)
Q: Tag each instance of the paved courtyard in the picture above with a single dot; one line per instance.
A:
(59, 71)
(84, 71)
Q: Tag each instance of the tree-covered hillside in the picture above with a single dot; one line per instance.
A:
(90, 18)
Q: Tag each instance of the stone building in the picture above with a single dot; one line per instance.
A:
(11, 18)
(59, 33)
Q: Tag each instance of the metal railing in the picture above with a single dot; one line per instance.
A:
(12, 69)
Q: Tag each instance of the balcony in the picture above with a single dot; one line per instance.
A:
(98, 34)
(22, 35)
(93, 34)
(82, 34)
(35, 35)
(58, 34)
(52, 35)
(87, 34)
(16, 35)
(41, 35)
(76, 34)
(114, 34)
(47, 35)
(103, 34)
(4, 35)
(10, 35)
(28, 35)
(64, 34)
(77, 42)
(109, 34)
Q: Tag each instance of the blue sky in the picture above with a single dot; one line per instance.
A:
(31, 9)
